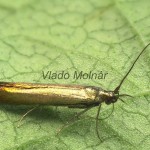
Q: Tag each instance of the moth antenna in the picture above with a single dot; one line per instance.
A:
(121, 95)
(118, 87)
(122, 100)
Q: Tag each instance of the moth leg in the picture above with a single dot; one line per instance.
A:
(20, 120)
(97, 119)
(73, 119)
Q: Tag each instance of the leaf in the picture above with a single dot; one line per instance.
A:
(78, 36)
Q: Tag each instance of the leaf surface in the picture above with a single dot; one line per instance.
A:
(69, 36)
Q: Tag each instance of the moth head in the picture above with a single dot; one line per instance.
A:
(109, 97)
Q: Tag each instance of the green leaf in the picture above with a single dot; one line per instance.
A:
(87, 35)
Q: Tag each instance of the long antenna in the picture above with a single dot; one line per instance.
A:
(118, 87)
